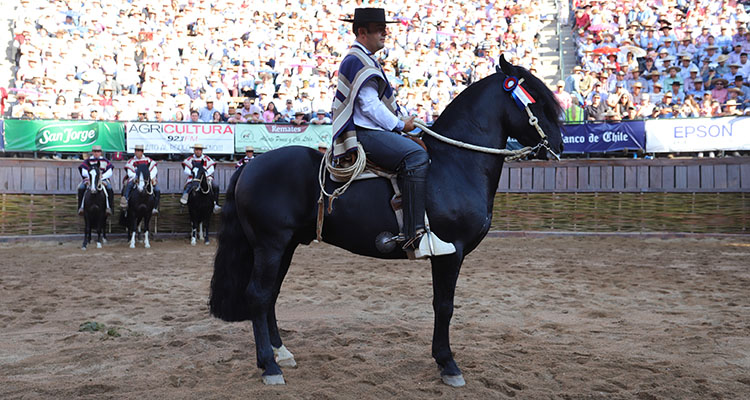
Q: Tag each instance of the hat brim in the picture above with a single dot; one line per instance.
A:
(352, 20)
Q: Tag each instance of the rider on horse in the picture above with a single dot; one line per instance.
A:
(208, 166)
(365, 111)
(130, 168)
(249, 155)
(106, 172)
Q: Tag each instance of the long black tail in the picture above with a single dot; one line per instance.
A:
(232, 264)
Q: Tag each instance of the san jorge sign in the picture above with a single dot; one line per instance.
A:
(68, 136)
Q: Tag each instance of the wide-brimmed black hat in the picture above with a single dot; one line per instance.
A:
(370, 14)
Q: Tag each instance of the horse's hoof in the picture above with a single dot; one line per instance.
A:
(206, 243)
(148, 246)
(287, 363)
(132, 245)
(83, 248)
(453, 380)
(274, 379)
(104, 241)
(98, 245)
(192, 242)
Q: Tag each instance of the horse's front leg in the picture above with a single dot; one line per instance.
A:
(86, 232)
(205, 229)
(99, 231)
(131, 229)
(146, 223)
(444, 276)
(193, 232)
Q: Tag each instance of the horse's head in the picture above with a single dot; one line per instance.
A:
(95, 179)
(142, 177)
(199, 175)
(536, 116)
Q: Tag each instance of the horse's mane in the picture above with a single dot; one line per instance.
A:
(542, 94)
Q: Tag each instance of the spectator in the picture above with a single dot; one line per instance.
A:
(597, 109)
(255, 118)
(271, 114)
(563, 97)
(719, 91)
(320, 118)
(207, 112)
(299, 118)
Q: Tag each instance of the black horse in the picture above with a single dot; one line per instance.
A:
(140, 205)
(200, 204)
(271, 208)
(94, 208)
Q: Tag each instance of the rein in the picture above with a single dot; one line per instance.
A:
(200, 180)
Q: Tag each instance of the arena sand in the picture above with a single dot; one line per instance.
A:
(553, 317)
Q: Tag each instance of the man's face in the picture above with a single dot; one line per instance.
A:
(97, 153)
(596, 100)
(139, 153)
(743, 58)
(194, 117)
(210, 105)
(249, 153)
(374, 37)
(198, 152)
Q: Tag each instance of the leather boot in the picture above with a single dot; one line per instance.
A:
(424, 244)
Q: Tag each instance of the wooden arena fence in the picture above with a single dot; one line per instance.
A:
(666, 195)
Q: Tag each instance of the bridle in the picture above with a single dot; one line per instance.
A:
(524, 100)
(200, 181)
(147, 183)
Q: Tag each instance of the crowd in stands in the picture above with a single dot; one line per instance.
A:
(249, 61)
(658, 59)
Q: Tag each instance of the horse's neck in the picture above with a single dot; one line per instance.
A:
(479, 172)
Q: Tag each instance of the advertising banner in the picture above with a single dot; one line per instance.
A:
(699, 134)
(268, 137)
(53, 136)
(604, 137)
(179, 137)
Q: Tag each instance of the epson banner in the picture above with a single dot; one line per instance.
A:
(700, 134)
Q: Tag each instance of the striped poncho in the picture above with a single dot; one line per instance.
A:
(357, 68)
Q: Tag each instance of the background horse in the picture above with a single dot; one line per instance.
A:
(141, 204)
(271, 208)
(94, 208)
(200, 204)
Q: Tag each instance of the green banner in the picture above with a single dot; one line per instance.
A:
(268, 137)
(73, 136)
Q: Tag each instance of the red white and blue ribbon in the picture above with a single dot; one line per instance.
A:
(520, 95)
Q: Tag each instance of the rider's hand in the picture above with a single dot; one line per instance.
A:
(409, 124)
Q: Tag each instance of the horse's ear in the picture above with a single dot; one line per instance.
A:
(505, 66)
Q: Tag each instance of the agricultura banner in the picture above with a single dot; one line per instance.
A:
(179, 137)
(68, 136)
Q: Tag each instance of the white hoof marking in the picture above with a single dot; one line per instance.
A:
(192, 241)
(284, 357)
(453, 380)
(274, 380)
(98, 245)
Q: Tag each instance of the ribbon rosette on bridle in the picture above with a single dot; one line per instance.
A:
(519, 94)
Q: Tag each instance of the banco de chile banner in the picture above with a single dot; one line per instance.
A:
(266, 137)
(68, 136)
(179, 137)
(699, 134)
(604, 137)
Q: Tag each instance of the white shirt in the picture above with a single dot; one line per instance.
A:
(370, 112)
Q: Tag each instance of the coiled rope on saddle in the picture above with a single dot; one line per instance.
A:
(345, 173)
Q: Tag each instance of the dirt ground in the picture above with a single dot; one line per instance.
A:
(550, 317)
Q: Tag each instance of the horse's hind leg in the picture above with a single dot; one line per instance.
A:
(86, 233)
(281, 354)
(146, 223)
(99, 230)
(261, 292)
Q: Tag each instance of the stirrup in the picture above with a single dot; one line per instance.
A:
(430, 245)
(184, 199)
(154, 211)
(123, 202)
(217, 208)
(80, 211)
